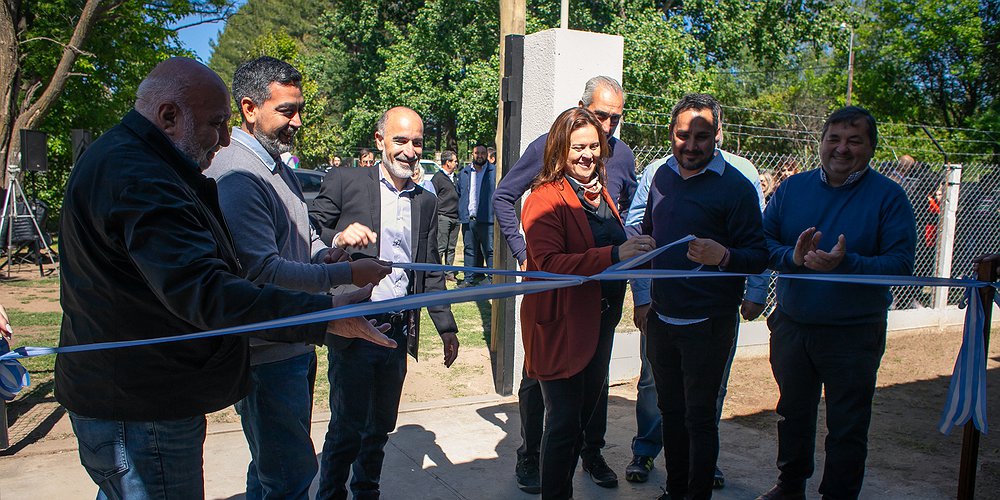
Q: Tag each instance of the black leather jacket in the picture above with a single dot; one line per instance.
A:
(146, 254)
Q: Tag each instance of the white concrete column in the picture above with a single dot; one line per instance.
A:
(557, 65)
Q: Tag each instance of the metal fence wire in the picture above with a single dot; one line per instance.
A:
(977, 224)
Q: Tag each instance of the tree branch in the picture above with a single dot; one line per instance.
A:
(57, 42)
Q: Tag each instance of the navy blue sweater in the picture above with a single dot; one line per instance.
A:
(620, 170)
(875, 218)
(723, 208)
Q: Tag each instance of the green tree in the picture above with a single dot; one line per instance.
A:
(76, 63)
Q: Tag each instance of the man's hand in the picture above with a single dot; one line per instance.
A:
(807, 242)
(5, 329)
(824, 262)
(450, 341)
(750, 310)
(358, 328)
(356, 235)
(369, 271)
(335, 255)
(639, 317)
(706, 251)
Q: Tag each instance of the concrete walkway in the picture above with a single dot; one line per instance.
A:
(459, 449)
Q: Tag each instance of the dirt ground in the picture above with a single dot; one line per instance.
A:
(913, 382)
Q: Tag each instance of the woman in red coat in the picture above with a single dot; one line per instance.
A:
(571, 226)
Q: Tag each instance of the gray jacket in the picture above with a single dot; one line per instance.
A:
(264, 208)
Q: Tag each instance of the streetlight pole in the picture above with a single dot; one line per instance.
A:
(850, 62)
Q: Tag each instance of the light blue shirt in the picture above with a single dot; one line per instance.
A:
(394, 239)
(756, 285)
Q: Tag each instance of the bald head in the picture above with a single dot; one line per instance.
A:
(400, 137)
(190, 104)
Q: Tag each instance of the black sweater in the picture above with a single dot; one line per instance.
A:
(723, 208)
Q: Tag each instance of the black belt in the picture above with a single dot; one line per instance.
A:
(396, 320)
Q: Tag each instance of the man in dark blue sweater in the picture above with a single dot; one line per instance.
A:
(833, 334)
(691, 326)
(604, 96)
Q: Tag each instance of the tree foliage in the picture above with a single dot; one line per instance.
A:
(76, 64)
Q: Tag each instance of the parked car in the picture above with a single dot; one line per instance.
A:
(430, 167)
(310, 180)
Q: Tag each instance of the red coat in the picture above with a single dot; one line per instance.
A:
(560, 328)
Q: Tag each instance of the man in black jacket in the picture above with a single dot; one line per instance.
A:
(446, 186)
(146, 254)
(378, 212)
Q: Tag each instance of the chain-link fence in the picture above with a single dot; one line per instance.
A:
(977, 223)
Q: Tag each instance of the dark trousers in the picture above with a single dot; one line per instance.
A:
(531, 406)
(845, 359)
(366, 382)
(688, 364)
(478, 241)
(447, 238)
(570, 405)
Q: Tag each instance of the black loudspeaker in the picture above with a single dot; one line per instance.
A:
(34, 151)
(81, 141)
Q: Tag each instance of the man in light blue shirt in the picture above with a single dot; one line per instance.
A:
(648, 441)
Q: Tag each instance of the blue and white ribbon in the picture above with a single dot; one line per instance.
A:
(13, 376)
(966, 395)
(967, 390)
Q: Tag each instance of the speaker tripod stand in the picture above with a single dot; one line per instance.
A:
(17, 223)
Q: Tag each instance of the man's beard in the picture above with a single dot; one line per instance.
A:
(479, 161)
(399, 169)
(188, 144)
(273, 143)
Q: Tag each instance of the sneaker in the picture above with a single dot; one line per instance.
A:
(776, 493)
(600, 473)
(638, 469)
(528, 478)
(719, 481)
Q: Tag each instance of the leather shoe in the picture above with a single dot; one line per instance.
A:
(777, 493)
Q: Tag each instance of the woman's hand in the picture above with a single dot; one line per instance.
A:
(636, 245)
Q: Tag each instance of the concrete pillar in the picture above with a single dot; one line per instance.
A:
(946, 233)
(557, 65)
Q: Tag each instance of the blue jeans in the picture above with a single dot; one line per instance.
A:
(161, 459)
(648, 440)
(366, 382)
(276, 415)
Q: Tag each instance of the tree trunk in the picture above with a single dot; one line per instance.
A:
(36, 111)
(8, 75)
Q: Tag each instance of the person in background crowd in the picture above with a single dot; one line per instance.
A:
(476, 183)
(366, 158)
(568, 333)
(446, 187)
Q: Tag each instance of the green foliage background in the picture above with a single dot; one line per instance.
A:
(917, 61)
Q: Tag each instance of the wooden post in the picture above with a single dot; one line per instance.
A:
(503, 311)
(4, 436)
(970, 437)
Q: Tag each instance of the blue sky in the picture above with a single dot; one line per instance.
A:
(196, 38)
